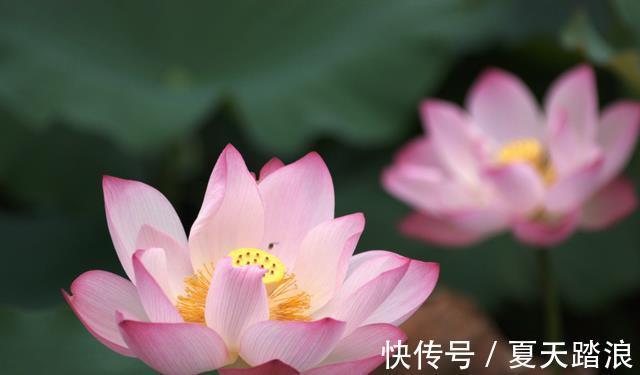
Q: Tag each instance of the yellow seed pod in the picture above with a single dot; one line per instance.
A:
(246, 256)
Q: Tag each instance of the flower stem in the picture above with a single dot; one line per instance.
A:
(553, 316)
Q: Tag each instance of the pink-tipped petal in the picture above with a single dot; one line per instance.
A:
(175, 348)
(274, 367)
(426, 188)
(237, 299)
(231, 216)
(568, 152)
(296, 197)
(546, 234)
(360, 352)
(329, 244)
(575, 92)
(518, 185)
(369, 265)
(271, 166)
(573, 190)
(617, 135)
(413, 289)
(151, 290)
(418, 151)
(504, 107)
(431, 229)
(176, 260)
(152, 262)
(612, 203)
(455, 229)
(366, 341)
(456, 144)
(419, 178)
(130, 205)
(96, 296)
(365, 289)
(488, 219)
(301, 345)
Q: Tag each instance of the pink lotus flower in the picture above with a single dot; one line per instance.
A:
(267, 278)
(505, 164)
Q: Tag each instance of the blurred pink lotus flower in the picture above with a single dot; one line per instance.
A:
(505, 164)
(267, 278)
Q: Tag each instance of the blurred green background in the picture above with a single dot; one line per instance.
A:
(153, 90)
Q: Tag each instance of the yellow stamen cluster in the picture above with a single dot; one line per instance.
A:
(191, 304)
(286, 302)
(531, 151)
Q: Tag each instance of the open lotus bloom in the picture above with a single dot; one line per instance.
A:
(505, 164)
(266, 282)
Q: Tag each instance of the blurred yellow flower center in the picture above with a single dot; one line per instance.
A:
(286, 302)
(531, 151)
